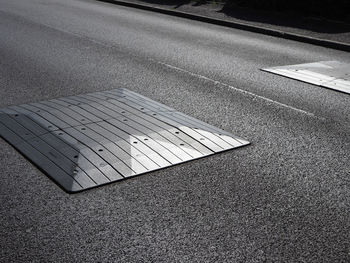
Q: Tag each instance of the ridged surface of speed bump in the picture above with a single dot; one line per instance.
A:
(93, 139)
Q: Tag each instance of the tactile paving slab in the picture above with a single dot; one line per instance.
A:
(328, 74)
(93, 139)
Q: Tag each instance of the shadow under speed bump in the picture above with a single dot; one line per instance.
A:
(93, 139)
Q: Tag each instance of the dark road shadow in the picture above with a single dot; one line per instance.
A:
(287, 18)
(298, 16)
(292, 17)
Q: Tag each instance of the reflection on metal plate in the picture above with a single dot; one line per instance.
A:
(329, 74)
(97, 138)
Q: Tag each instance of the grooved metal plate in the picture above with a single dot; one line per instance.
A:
(93, 139)
(328, 74)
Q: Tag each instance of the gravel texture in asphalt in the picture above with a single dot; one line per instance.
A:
(284, 198)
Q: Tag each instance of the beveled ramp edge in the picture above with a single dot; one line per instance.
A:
(315, 73)
(90, 140)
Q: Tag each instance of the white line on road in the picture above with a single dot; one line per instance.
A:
(239, 90)
(179, 69)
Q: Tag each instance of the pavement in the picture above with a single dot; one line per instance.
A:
(308, 29)
(284, 198)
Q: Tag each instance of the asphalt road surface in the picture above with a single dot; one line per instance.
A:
(284, 198)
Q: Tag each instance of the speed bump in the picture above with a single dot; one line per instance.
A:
(89, 140)
(328, 74)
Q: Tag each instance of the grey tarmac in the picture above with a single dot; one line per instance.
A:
(284, 198)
